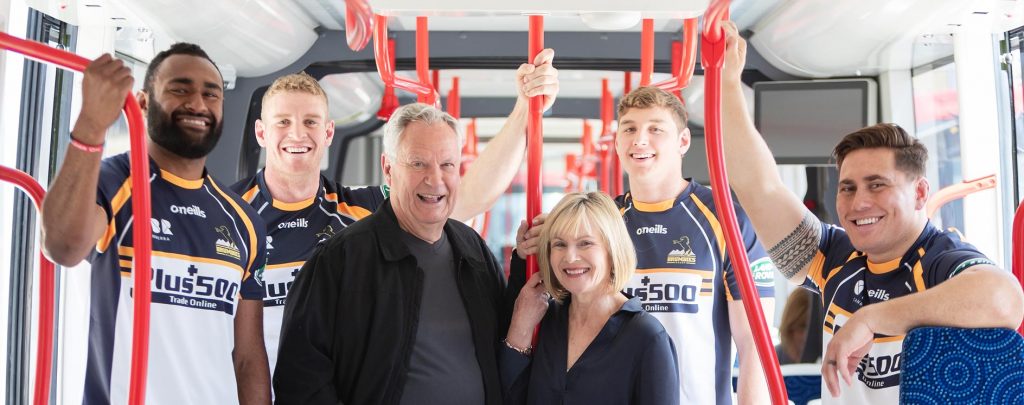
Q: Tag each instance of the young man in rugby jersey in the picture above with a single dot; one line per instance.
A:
(886, 270)
(208, 246)
(302, 208)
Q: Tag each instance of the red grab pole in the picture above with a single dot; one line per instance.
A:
(423, 61)
(44, 346)
(454, 99)
(646, 51)
(1018, 251)
(534, 139)
(386, 64)
(141, 233)
(712, 57)
(684, 70)
(358, 24)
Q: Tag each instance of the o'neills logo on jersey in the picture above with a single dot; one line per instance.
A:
(191, 210)
(683, 255)
(659, 229)
(298, 223)
(225, 244)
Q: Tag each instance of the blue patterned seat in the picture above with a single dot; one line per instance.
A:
(962, 366)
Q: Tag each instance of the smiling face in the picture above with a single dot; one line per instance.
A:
(880, 206)
(295, 131)
(424, 177)
(650, 144)
(581, 262)
(185, 105)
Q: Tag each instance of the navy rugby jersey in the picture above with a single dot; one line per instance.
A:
(685, 279)
(847, 281)
(293, 232)
(207, 255)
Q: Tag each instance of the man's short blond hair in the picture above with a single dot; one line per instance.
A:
(294, 83)
(651, 97)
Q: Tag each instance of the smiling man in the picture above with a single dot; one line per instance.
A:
(886, 270)
(405, 306)
(302, 208)
(208, 245)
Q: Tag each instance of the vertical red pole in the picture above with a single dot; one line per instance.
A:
(646, 52)
(604, 171)
(423, 59)
(1018, 250)
(587, 169)
(713, 57)
(436, 80)
(534, 138)
(627, 83)
(454, 99)
(677, 55)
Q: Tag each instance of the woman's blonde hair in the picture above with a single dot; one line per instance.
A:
(592, 213)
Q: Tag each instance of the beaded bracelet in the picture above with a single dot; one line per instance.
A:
(523, 351)
(85, 147)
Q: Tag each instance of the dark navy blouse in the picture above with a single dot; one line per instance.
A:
(631, 361)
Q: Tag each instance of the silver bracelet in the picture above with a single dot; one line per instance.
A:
(523, 351)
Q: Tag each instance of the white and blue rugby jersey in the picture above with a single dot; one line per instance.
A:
(208, 254)
(847, 281)
(293, 232)
(684, 278)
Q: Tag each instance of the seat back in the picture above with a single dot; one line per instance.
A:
(960, 366)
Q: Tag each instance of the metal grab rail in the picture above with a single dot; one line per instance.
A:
(713, 57)
(958, 191)
(358, 24)
(386, 65)
(44, 346)
(534, 139)
(141, 233)
(1018, 251)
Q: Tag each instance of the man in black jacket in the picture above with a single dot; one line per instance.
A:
(405, 306)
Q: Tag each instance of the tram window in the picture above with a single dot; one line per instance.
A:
(936, 118)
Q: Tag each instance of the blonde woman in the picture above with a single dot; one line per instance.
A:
(595, 345)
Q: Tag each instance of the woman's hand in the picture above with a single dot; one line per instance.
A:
(528, 238)
(530, 307)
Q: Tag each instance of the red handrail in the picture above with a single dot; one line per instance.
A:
(141, 233)
(684, 71)
(389, 100)
(958, 191)
(534, 139)
(423, 61)
(386, 65)
(44, 347)
(454, 99)
(1018, 251)
(712, 57)
(358, 24)
(646, 51)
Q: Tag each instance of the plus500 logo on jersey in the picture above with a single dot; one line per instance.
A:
(183, 284)
(665, 297)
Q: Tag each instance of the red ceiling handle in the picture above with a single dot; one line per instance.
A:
(358, 24)
(1018, 250)
(712, 57)
(141, 233)
(682, 76)
(455, 99)
(386, 64)
(958, 191)
(389, 100)
(44, 346)
(534, 139)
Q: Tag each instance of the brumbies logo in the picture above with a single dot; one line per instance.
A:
(225, 244)
(683, 255)
(325, 234)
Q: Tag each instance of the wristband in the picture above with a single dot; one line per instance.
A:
(84, 146)
(523, 351)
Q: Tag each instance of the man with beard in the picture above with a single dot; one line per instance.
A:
(208, 249)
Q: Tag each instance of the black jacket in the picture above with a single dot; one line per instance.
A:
(350, 318)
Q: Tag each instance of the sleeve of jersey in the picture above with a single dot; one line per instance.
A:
(949, 258)
(112, 189)
(762, 270)
(252, 285)
(358, 203)
(833, 250)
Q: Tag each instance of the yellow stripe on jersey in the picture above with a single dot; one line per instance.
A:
(249, 195)
(887, 339)
(835, 270)
(295, 206)
(130, 252)
(284, 265)
(707, 274)
(116, 203)
(353, 211)
(125, 263)
(180, 182)
(715, 225)
(837, 310)
(882, 268)
(815, 269)
(253, 243)
(919, 272)
(653, 207)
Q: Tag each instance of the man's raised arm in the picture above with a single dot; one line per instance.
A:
(789, 231)
(72, 222)
(489, 177)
